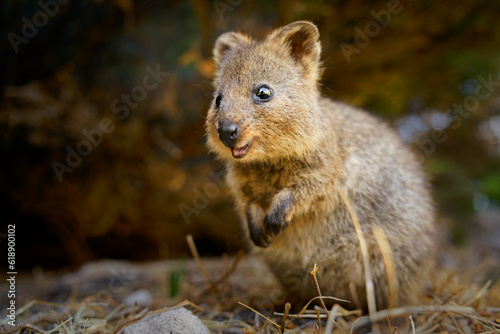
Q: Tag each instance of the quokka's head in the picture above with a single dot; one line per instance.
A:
(265, 105)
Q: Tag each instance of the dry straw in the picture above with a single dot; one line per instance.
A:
(455, 307)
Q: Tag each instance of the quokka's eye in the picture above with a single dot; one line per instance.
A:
(263, 93)
(217, 100)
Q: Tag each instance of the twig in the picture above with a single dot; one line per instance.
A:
(231, 269)
(454, 294)
(39, 302)
(390, 268)
(311, 314)
(313, 274)
(62, 324)
(412, 325)
(212, 285)
(354, 295)
(370, 290)
(330, 322)
(196, 256)
(117, 312)
(310, 301)
(401, 311)
(333, 314)
(390, 325)
(455, 323)
(256, 320)
(319, 320)
(480, 293)
(493, 309)
(34, 319)
(283, 320)
(33, 328)
(263, 316)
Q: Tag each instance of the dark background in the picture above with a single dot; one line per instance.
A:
(123, 199)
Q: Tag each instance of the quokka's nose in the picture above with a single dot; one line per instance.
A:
(228, 132)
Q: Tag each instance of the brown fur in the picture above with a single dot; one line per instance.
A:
(304, 148)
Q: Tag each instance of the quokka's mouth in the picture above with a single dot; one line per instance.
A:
(240, 152)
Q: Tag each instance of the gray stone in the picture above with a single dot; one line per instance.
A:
(176, 321)
(140, 297)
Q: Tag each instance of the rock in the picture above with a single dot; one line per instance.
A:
(140, 297)
(176, 321)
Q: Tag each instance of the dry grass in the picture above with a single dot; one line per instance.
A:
(454, 308)
(454, 304)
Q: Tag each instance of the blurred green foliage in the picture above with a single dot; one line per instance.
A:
(123, 199)
(491, 186)
(175, 279)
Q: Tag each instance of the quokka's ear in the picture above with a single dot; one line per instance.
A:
(302, 40)
(226, 42)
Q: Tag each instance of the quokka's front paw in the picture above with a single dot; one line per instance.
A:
(255, 218)
(274, 223)
(278, 217)
(262, 228)
(260, 238)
